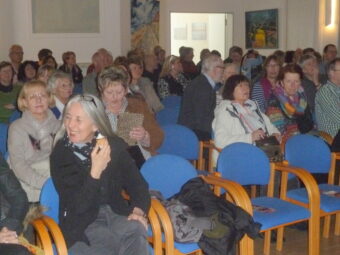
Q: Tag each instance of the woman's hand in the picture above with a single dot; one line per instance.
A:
(100, 157)
(9, 106)
(257, 135)
(140, 135)
(8, 236)
(139, 215)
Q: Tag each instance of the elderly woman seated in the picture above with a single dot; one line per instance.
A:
(129, 117)
(239, 119)
(89, 175)
(30, 138)
(61, 86)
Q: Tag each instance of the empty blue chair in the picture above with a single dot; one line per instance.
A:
(169, 115)
(181, 141)
(313, 154)
(248, 165)
(172, 101)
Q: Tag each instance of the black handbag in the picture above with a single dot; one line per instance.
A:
(305, 122)
(271, 146)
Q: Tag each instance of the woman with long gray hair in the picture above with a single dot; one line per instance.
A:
(90, 167)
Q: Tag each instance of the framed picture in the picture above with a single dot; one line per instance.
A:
(262, 29)
(199, 31)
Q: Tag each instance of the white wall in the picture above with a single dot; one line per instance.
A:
(84, 45)
(5, 29)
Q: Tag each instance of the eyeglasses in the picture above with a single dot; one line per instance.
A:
(88, 99)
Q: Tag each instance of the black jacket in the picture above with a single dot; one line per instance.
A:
(81, 195)
(197, 108)
(14, 195)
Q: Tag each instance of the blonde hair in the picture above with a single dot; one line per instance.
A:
(110, 75)
(169, 61)
(25, 90)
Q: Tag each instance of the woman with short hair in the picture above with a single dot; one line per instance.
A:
(145, 136)
(61, 86)
(27, 71)
(90, 168)
(30, 138)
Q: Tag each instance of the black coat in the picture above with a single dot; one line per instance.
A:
(197, 108)
(15, 197)
(81, 195)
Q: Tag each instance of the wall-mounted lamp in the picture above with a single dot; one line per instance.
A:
(330, 9)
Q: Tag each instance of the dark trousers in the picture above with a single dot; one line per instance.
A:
(13, 249)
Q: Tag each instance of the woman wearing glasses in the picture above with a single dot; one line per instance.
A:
(89, 176)
(30, 138)
(172, 80)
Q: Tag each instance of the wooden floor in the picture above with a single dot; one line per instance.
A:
(296, 244)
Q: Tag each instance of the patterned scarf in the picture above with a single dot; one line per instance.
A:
(291, 105)
(84, 150)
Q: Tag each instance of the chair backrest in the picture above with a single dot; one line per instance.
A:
(308, 152)
(244, 163)
(3, 138)
(167, 116)
(49, 198)
(172, 101)
(179, 140)
(167, 173)
(14, 116)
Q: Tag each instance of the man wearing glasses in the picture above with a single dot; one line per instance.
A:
(327, 101)
(199, 98)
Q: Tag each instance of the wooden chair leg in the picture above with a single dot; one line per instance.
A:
(326, 225)
(279, 242)
(314, 235)
(337, 224)
(266, 245)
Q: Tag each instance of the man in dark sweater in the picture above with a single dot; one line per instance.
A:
(199, 98)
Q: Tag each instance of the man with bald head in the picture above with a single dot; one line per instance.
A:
(16, 55)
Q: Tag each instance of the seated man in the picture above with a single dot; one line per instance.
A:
(327, 101)
(199, 98)
(11, 222)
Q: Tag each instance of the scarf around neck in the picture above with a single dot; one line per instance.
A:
(291, 105)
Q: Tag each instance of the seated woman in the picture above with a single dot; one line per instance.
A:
(89, 176)
(263, 89)
(27, 71)
(61, 86)
(172, 81)
(8, 92)
(30, 138)
(239, 119)
(287, 107)
(50, 61)
(145, 136)
(11, 222)
(70, 66)
(44, 73)
(143, 85)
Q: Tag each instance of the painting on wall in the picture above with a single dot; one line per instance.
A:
(199, 31)
(144, 24)
(262, 29)
(65, 16)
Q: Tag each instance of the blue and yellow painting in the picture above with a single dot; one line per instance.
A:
(144, 24)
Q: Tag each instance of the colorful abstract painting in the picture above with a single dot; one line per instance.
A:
(262, 29)
(144, 24)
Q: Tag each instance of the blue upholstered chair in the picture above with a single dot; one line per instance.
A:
(15, 115)
(167, 173)
(181, 141)
(3, 138)
(313, 154)
(248, 165)
(169, 115)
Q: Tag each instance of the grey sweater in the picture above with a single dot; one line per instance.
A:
(30, 145)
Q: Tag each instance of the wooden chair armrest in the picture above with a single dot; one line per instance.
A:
(56, 234)
(306, 178)
(166, 224)
(335, 156)
(43, 237)
(156, 231)
(211, 146)
(235, 190)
